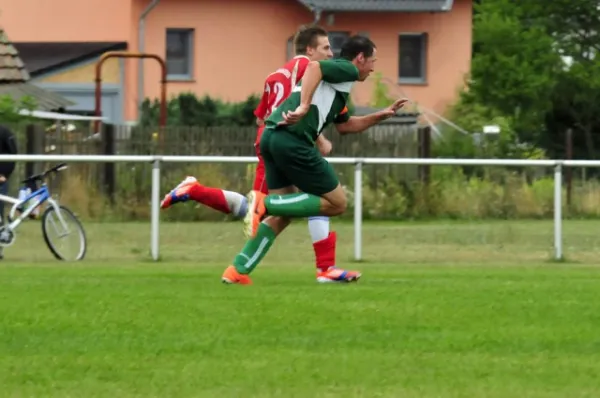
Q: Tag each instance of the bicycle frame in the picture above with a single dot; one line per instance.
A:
(42, 194)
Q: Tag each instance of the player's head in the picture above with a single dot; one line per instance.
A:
(313, 41)
(362, 52)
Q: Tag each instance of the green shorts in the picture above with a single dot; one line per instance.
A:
(291, 161)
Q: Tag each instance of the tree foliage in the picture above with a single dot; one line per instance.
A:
(9, 108)
(514, 70)
(535, 64)
(381, 97)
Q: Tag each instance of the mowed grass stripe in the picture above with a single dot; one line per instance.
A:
(158, 330)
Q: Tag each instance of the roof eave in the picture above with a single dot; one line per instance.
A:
(446, 7)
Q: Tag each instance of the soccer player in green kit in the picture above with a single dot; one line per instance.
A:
(294, 164)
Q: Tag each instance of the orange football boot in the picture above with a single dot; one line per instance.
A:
(179, 194)
(338, 275)
(232, 276)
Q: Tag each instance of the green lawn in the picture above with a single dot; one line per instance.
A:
(476, 243)
(443, 310)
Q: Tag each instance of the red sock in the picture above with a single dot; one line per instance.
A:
(211, 197)
(325, 252)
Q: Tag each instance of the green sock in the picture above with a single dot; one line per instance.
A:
(293, 205)
(255, 249)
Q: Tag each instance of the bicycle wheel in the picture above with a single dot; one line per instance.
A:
(51, 224)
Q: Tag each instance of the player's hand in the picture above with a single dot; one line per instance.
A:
(291, 117)
(398, 104)
(392, 109)
(324, 145)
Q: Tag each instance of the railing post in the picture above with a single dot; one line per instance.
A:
(155, 212)
(358, 211)
(558, 252)
(108, 148)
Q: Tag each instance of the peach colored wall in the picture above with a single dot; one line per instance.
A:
(237, 43)
(449, 51)
(234, 51)
(66, 20)
(130, 96)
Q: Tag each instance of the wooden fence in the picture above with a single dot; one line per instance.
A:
(132, 181)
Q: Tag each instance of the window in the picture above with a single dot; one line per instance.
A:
(336, 39)
(180, 52)
(412, 49)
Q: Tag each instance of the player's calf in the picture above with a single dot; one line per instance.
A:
(324, 242)
(227, 202)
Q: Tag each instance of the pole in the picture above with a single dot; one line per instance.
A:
(358, 211)
(569, 171)
(558, 253)
(154, 221)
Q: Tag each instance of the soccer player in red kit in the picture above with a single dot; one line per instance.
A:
(311, 44)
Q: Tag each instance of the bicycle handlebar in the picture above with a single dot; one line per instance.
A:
(41, 176)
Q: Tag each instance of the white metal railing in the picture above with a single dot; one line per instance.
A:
(358, 162)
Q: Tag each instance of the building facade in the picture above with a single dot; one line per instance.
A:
(225, 49)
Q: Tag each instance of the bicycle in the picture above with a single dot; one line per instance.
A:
(53, 213)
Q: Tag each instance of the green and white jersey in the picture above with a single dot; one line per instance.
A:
(328, 103)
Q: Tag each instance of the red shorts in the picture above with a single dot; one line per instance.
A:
(260, 182)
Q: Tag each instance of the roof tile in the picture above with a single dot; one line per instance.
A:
(12, 69)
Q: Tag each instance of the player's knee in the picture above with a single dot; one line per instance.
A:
(342, 206)
(282, 223)
(277, 224)
(337, 203)
(339, 206)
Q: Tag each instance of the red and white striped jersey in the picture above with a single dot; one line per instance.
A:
(279, 85)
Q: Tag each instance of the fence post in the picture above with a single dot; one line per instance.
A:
(358, 211)
(425, 153)
(558, 252)
(34, 145)
(155, 212)
(108, 148)
(569, 170)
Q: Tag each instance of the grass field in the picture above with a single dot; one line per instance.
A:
(443, 310)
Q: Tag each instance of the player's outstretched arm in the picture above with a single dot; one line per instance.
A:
(358, 124)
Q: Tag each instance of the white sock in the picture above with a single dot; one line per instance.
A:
(238, 204)
(318, 227)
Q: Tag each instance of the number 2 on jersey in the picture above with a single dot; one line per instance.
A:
(278, 90)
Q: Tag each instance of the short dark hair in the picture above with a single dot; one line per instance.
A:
(355, 45)
(307, 36)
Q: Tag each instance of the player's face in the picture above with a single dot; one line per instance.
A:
(365, 65)
(321, 51)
